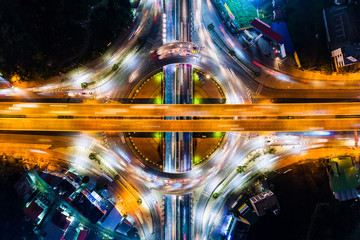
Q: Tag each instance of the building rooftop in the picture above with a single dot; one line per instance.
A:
(239, 230)
(124, 227)
(64, 188)
(23, 187)
(112, 220)
(73, 176)
(244, 212)
(82, 235)
(266, 30)
(51, 179)
(263, 202)
(282, 29)
(351, 53)
(342, 26)
(60, 220)
(53, 232)
(88, 209)
(343, 174)
(33, 211)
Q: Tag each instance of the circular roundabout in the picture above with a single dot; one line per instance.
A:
(143, 153)
(148, 147)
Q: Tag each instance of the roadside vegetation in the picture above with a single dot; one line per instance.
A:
(243, 10)
(41, 38)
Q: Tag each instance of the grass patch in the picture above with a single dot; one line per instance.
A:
(243, 11)
(196, 159)
(159, 77)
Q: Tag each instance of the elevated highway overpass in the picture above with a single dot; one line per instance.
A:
(150, 118)
(80, 110)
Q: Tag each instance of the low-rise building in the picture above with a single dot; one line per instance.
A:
(124, 227)
(33, 211)
(23, 188)
(112, 219)
(238, 229)
(51, 178)
(82, 235)
(64, 188)
(343, 180)
(89, 205)
(342, 26)
(243, 217)
(56, 228)
(243, 212)
(264, 202)
(265, 29)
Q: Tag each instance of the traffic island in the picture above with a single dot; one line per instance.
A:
(149, 146)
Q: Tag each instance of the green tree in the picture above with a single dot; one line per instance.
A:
(85, 179)
(92, 156)
(211, 26)
(84, 85)
(115, 67)
(99, 187)
(272, 151)
(240, 169)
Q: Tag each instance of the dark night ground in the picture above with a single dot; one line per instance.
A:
(39, 38)
(298, 193)
(12, 222)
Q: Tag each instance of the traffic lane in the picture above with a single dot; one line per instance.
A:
(230, 84)
(177, 183)
(151, 125)
(56, 110)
